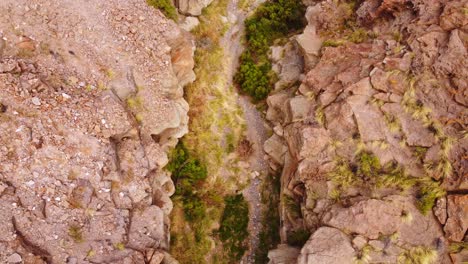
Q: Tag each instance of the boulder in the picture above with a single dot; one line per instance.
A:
(192, 7)
(190, 23)
(146, 228)
(327, 245)
(275, 148)
(283, 254)
(309, 41)
(457, 220)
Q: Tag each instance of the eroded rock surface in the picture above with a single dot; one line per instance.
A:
(387, 79)
(91, 101)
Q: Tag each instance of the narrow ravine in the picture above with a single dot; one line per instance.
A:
(256, 128)
(224, 116)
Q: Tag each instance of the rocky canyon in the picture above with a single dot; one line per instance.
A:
(233, 131)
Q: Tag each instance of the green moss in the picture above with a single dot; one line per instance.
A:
(358, 36)
(233, 228)
(272, 20)
(332, 43)
(429, 191)
(166, 7)
(119, 246)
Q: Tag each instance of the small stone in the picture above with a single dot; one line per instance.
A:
(66, 96)
(36, 101)
(377, 244)
(14, 258)
(72, 80)
(359, 242)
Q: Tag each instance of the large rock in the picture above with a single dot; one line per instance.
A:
(192, 7)
(309, 42)
(457, 221)
(284, 254)
(146, 228)
(373, 218)
(327, 245)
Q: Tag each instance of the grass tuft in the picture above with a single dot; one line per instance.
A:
(418, 255)
(166, 7)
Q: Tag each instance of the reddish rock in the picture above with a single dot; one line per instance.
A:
(457, 220)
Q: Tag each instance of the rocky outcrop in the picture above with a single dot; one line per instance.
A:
(384, 84)
(91, 101)
(457, 217)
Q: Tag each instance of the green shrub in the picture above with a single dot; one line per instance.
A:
(188, 173)
(369, 164)
(298, 238)
(269, 236)
(429, 192)
(166, 7)
(272, 20)
(233, 228)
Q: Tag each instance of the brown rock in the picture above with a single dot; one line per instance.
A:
(327, 245)
(457, 221)
(283, 254)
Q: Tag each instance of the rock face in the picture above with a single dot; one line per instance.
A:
(383, 82)
(91, 101)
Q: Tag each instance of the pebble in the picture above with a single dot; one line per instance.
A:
(36, 101)
(66, 96)
(14, 258)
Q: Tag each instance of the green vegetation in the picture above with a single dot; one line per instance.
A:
(216, 121)
(75, 232)
(456, 247)
(320, 116)
(292, 206)
(418, 255)
(188, 175)
(191, 216)
(332, 43)
(366, 171)
(298, 238)
(271, 21)
(166, 7)
(269, 235)
(233, 229)
(429, 192)
(363, 256)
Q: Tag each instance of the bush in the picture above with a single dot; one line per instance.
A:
(187, 174)
(166, 7)
(269, 236)
(272, 20)
(233, 229)
(429, 192)
(298, 238)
